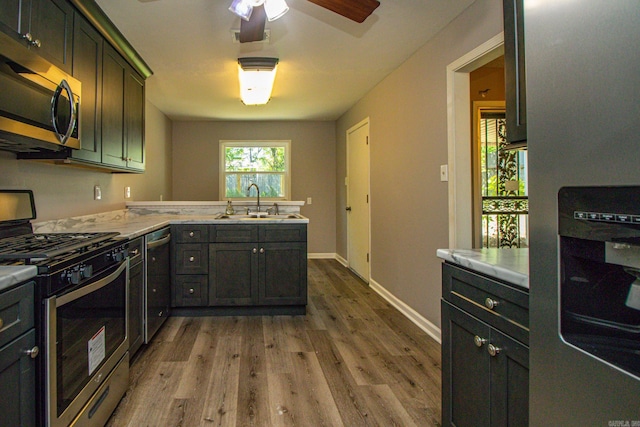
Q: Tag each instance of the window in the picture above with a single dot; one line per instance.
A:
(265, 163)
(505, 205)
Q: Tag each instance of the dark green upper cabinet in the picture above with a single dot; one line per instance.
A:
(514, 68)
(87, 67)
(45, 26)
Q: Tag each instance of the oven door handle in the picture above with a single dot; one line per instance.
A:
(85, 290)
(159, 242)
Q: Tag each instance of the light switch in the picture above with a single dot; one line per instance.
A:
(127, 192)
(444, 173)
(97, 193)
(309, 201)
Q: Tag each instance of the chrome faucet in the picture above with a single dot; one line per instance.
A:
(253, 184)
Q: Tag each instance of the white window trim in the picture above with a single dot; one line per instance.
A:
(255, 143)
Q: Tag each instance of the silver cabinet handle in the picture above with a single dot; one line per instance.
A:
(261, 250)
(191, 259)
(479, 342)
(32, 353)
(191, 234)
(493, 350)
(490, 303)
(255, 251)
(191, 291)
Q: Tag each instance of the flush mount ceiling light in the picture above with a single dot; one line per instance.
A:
(256, 77)
(273, 8)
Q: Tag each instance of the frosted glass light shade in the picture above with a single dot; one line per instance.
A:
(256, 76)
(242, 8)
(275, 9)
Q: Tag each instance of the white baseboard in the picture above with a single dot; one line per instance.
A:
(328, 256)
(429, 328)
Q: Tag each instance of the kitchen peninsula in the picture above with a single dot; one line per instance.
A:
(485, 336)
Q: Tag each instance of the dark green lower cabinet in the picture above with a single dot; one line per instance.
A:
(485, 373)
(233, 274)
(18, 382)
(247, 266)
(244, 274)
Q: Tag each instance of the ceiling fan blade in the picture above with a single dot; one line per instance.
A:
(356, 10)
(253, 29)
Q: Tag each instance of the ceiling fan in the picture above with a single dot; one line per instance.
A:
(254, 13)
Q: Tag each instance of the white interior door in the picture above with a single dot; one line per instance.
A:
(358, 199)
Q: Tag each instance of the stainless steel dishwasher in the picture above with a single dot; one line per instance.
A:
(157, 282)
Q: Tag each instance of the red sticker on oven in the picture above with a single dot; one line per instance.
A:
(96, 348)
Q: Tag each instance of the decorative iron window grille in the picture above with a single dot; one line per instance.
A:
(505, 205)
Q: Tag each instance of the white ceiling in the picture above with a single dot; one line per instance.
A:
(327, 62)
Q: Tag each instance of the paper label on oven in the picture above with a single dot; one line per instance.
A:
(96, 348)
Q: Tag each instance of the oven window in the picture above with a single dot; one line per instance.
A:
(89, 330)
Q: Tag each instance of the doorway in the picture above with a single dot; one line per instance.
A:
(459, 137)
(358, 230)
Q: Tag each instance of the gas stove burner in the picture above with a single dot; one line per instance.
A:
(36, 247)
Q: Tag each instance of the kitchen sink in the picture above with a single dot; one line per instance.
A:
(259, 215)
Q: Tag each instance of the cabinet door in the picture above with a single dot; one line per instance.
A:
(233, 274)
(52, 26)
(466, 376)
(514, 68)
(509, 382)
(134, 120)
(114, 75)
(18, 382)
(15, 18)
(87, 67)
(136, 307)
(283, 273)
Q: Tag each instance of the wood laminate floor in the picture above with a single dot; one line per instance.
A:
(353, 360)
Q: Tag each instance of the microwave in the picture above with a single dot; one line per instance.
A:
(39, 103)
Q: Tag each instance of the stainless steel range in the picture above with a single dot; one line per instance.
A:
(81, 313)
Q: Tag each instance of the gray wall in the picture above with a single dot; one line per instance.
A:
(408, 134)
(64, 191)
(313, 145)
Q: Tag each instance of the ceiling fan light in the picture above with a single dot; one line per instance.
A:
(256, 76)
(275, 9)
(242, 8)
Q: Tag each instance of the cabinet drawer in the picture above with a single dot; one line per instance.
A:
(191, 291)
(16, 312)
(233, 233)
(191, 259)
(283, 233)
(191, 233)
(135, 251)
(498, 304)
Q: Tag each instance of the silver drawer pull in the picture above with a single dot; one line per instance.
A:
(32, 353)
(191, 234)
(191, 259)
(191, 291)
(479, 342)
(490, 303)
(255, 251)
(261, 250)
(493, 350)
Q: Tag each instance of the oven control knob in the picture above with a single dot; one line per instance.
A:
(86, 271)
(73, 277)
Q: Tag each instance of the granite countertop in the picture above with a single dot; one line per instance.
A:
(142, 218)
(13, 275)
(509, 265)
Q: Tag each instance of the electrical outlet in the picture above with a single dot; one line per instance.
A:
(444, 173)
(309, 201)
(97, 193)
(127, 192)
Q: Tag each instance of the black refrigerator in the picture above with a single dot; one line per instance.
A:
(583, 118)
